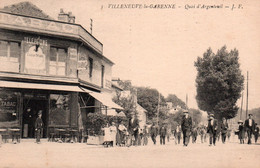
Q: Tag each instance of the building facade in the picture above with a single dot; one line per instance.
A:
(55, 66)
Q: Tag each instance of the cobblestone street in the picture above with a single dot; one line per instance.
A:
(50, 154)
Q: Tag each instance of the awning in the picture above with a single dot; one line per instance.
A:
(24, 85)
(105, 99)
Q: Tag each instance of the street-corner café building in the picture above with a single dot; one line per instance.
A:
(51, 65)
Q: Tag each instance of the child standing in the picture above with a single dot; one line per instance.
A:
(241, 132)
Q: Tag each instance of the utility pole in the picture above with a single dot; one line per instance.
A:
(91, 25)
(241, 107)
(187, 101)
(247, 96)
(158, 109)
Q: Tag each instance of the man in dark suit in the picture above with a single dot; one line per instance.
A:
(224, 128)
(250, 127)
(256, 133)
(39, 127)
(163, 132)
(133, 128)
(186, 126)
(153, 133)
(212, 129)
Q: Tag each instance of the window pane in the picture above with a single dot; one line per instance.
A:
(3, 48)
(60, 111)
(53, 54)
(14, 50)
(62, 55)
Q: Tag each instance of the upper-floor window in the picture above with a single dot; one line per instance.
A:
(58, 58)
(10, 51)
(102, 75)
(90, 66)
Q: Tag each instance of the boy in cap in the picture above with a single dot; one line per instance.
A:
(250, 127)
(38, 127)
(241, 132)
(186, 126)
(212, 129)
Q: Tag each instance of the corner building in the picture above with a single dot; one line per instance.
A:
(55, 66)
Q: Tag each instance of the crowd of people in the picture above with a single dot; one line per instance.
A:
(131, 134)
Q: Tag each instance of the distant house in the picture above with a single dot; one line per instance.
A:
(141, 115)
(131, 95)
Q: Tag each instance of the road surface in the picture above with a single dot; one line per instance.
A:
(54, 155)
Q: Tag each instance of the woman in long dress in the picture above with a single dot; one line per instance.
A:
(122, 133)
(107, 134)
(113, 130)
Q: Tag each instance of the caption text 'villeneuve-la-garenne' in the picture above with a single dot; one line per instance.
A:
(175, 6)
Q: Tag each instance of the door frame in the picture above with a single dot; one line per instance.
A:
(35, 96)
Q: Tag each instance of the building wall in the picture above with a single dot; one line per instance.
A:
(41, 62)
(84, 68)
(27, 60)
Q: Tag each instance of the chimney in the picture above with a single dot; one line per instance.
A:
(63, 16)
(71, 18)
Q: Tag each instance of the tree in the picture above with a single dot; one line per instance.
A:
(148, 99)
(196, 116)
(219, 82)
(175, 101)
(127, 102)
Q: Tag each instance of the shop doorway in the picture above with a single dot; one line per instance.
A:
(30, 114)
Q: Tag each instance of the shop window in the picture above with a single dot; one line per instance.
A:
(58, 58)
(59, 109)
(9, 51)
(8, 108)
(90, 66)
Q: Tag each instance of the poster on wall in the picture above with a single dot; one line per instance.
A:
(35, 56)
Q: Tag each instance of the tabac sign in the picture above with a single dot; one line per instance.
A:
(35, 51)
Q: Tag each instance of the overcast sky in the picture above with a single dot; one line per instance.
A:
(158, 47)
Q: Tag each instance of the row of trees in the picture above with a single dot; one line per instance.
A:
(219, 84)
(148, 98)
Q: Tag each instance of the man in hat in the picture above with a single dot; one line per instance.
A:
(38, 127)
(186, 126)
(212, 129)
(153, 133)
(162, 132)
(256, 133)
(250, 127)
(133, 128)
(224, 128)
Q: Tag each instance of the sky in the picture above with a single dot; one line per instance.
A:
(157, 48)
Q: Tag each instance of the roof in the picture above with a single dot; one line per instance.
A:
(140, 108)
(26, 8)
(115, 85)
